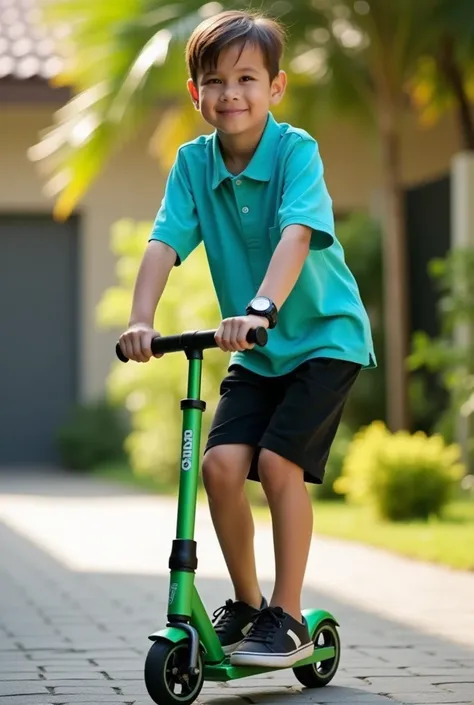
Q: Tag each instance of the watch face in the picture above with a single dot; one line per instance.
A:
(261, 303)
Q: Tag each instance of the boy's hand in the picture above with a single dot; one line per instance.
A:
(135, 343)
(231, 335)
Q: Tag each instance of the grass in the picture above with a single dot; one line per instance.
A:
(448, 541)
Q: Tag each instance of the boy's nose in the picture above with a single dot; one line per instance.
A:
(230, 93)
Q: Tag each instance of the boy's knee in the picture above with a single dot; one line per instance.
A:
(219, 474)
(275, 472)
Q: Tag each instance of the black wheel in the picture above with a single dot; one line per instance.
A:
(166, 674)
(318, 674)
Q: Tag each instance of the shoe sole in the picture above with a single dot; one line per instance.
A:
(270, 660)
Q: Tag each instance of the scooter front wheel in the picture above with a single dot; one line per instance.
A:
(319, 674)
(167, 676)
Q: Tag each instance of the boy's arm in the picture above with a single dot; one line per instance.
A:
(174, 236)
(281, 276)
(305, 218)
(286, 264)
(156, 265)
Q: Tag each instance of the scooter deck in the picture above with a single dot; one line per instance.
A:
(225, 671)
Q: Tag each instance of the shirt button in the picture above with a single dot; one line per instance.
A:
(245, 209)
(238, 182)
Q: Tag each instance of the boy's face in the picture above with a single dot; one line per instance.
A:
(236, 97)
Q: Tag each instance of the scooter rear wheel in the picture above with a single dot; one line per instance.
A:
(166, 674)
(319, 674)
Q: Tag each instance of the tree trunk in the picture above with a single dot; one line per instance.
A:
(452, 71)
(395, 274)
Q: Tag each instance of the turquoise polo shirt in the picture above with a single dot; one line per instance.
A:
(240, 220)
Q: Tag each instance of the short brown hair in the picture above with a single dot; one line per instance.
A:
(234, 27)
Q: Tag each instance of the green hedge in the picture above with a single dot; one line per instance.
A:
(92, 434)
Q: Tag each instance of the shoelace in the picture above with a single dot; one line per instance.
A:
(266, 623)
(229, 614)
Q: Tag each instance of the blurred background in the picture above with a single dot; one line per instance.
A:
(93, 107)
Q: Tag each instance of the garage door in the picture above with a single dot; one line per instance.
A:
(38, 335)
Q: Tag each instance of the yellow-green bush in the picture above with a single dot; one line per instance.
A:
(152, 392)
(405, 476)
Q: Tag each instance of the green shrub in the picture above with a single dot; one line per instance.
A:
(93, 434)
(334, 464)
(405, 476)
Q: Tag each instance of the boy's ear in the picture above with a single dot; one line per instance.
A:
(278, 87)
(193, 92)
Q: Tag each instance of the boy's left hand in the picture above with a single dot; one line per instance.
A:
(231, 335)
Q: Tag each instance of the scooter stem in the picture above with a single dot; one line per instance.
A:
(193, 408)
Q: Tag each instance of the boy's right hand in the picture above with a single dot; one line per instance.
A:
(135, 343)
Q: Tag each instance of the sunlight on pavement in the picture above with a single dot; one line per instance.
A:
(133, 535)
(111, 535)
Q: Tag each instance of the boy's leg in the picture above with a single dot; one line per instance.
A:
(292, 519)
(225, 470)
(241, 418)
(294, 449)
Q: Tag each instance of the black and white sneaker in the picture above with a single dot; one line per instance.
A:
(233, 622)
(276, 640)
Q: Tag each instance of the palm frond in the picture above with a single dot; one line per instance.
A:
(127, 57)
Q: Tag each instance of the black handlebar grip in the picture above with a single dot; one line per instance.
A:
(258, 336)
(119, 353)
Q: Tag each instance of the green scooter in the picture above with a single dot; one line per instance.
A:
(187, 651)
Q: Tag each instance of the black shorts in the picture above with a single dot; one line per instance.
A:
(295, 415)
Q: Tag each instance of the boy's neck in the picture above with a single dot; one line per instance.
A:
(238, 150)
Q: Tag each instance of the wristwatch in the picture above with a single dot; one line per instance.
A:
(263, 306)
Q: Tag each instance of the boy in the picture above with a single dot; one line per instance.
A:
(254, 193)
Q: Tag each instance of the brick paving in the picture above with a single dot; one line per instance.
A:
(83, 581)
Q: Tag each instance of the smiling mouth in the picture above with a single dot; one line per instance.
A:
(231, 112)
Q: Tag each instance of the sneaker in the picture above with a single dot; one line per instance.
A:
(233, 621)
(276, 640)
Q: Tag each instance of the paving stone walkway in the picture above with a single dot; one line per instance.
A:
(83, 581)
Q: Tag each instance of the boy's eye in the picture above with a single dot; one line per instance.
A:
(215, 81)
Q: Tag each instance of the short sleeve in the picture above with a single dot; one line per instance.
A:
(305, 198)
(176, 222)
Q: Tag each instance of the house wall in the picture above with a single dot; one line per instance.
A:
(132, 185)
(113, 196)
(352, 161)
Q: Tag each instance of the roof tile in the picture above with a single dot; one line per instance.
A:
(27, 49)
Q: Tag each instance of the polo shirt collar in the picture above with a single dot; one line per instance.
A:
(260, 167)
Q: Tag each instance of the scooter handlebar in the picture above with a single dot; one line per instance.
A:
(194, 340)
